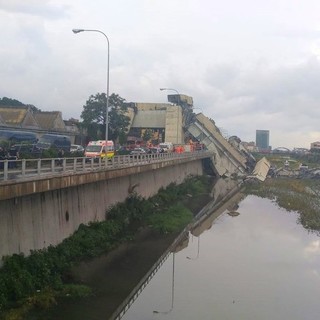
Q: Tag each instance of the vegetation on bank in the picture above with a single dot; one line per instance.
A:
(301, 195)
(36, 281)
(312, 159)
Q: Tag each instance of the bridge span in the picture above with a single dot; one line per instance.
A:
(43, 205)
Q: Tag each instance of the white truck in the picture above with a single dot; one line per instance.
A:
(166, 146)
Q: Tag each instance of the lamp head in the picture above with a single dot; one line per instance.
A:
(77, 30)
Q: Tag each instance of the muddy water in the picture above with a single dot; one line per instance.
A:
(112, 278)
(259, 264)
(256, 263)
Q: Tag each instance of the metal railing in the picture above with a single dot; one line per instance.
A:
(31, 169)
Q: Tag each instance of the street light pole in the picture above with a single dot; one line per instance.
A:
(172, 288)
(108, 63)
(198, 252)
(162, 89)
(170, 89)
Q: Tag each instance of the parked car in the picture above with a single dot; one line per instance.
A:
(137, 152)
(22, 150)
(166, 146)
(123, 150)
(155, 150)
(76, 148)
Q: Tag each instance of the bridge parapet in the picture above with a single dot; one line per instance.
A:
(41, 175)
(42, 210)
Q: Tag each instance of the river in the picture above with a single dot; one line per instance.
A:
(258, 264)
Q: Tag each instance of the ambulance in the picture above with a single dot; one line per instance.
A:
(99, 149)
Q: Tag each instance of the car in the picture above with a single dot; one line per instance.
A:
(155, 150)
(22, 149)
(76, 148)
(137, 152)
(123, 150)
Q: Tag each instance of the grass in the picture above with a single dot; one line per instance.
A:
(301, 195)
(36, 281)
(278, 160)
(172, 220)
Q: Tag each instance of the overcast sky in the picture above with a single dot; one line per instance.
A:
(248, 64)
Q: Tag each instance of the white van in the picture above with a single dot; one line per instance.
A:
(166, 146)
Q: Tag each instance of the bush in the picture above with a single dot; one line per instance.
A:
(292, 194)
(172, 220)
(45, 271)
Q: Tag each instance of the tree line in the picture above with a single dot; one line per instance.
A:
(94, 114)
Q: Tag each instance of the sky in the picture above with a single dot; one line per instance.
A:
(248, 64)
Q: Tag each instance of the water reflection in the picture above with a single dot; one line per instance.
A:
(198, 251)
(259, 265)
(226, 196)
(172, 288)
(207, 219)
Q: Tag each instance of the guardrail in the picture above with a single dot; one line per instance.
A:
(30, 169)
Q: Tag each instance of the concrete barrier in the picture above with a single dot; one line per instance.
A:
(36, 214)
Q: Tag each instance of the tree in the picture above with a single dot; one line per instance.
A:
(147, 135)
(33, 108)
(16, 103)
(10, 102)
(94, 116)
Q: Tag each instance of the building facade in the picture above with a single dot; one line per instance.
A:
(315, 146)
(262, 140)
(22, 118)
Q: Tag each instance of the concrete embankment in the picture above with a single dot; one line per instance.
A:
(46, 211)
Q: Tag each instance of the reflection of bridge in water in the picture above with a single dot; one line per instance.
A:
(203, 221)
(127, 303)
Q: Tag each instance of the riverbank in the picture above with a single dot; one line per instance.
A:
(301, 195)
(37, 281)
(112, 277)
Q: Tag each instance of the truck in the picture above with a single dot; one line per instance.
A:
(55, 141)
(16, 136)
(99, 149)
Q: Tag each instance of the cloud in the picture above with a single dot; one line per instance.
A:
(42, 8)
(283, 97)
(313, 248)
(248, 65)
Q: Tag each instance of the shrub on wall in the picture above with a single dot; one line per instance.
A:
(46, 271)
